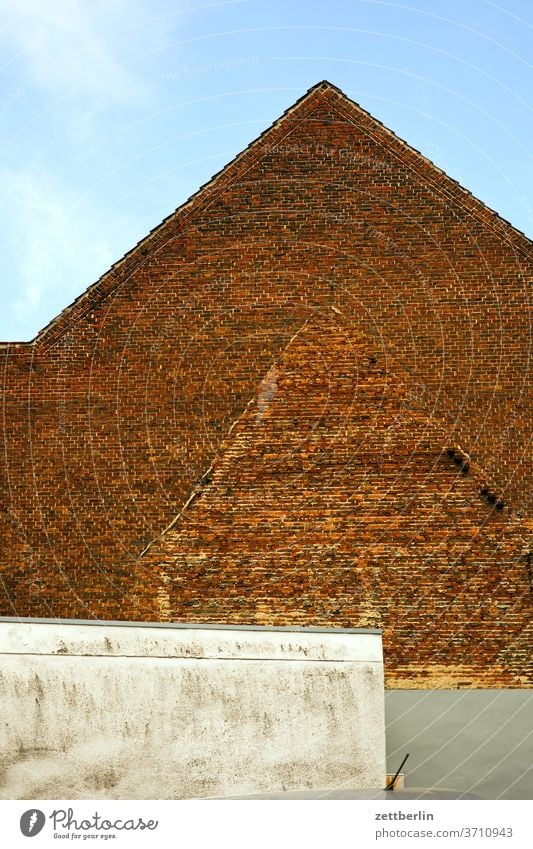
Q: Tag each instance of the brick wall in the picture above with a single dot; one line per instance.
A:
(330, 254)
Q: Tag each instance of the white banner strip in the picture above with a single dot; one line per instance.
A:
(264, 824)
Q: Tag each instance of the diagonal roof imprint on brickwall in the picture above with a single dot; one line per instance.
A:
(328, 505)
(260, 402)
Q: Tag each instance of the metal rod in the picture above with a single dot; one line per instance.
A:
(392, 782)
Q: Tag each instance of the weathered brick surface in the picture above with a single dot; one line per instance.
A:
(113, 414)
(349, 509)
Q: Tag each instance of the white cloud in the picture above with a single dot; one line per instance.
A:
(56, 243)
(68, 59)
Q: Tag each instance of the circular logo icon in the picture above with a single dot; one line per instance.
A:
(32, 822)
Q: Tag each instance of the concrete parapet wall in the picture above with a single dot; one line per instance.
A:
(127, 711)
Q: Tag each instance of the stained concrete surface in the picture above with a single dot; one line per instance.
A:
(99, 711)
(462, 743)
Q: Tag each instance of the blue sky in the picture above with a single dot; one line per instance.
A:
(113, 112)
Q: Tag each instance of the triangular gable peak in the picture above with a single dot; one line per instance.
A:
(322, 98)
